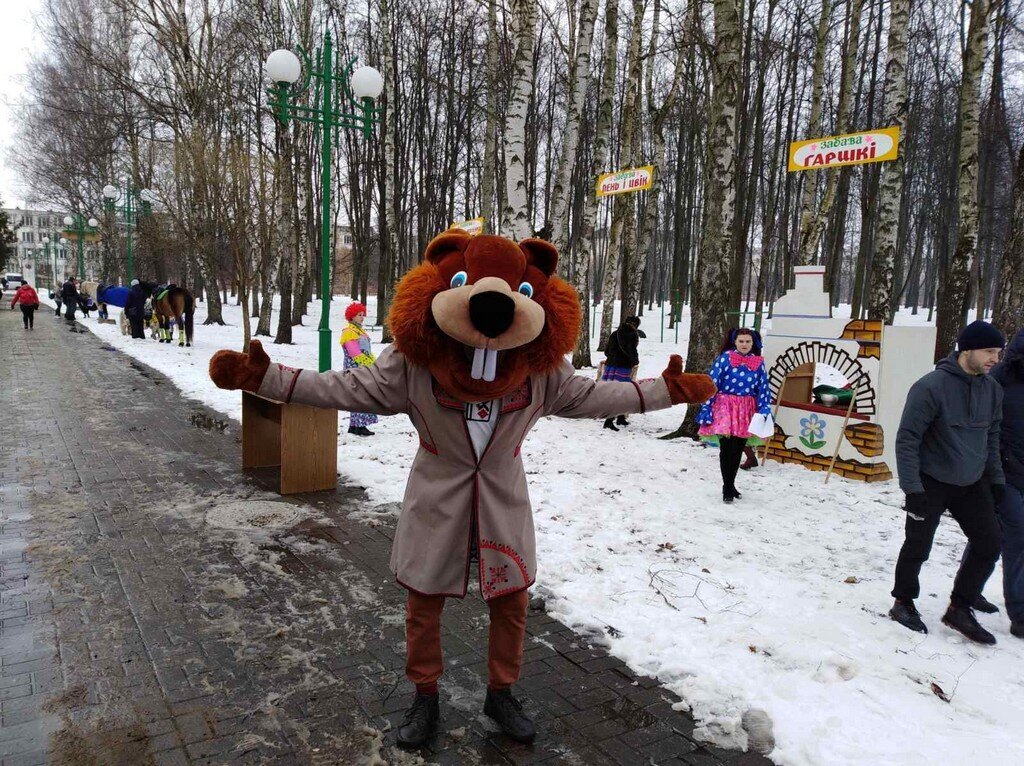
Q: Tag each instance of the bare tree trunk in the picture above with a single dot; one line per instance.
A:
(579, 83)
(707, 325)
(953, 302)
(516, 221)
(891, 191)
(807, 223)
(583, 253)
(624, 205)
(487, 173)
(1009, 308)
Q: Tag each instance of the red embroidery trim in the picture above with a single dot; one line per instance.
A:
(291, 388)
(643, 404)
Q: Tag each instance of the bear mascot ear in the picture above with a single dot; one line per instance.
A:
(540, 253)
(446, 243)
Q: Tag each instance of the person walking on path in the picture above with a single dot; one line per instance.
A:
(1009, 373)
(621, 357)
(135, 309)
(28, 298)
(743, 392)
(950, 429)
(69, 296)
(356, 344)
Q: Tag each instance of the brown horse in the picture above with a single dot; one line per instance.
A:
(171, 302)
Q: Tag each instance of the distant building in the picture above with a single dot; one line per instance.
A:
(30, 227)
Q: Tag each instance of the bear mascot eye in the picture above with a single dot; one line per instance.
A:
(526, 289)
(459, 279)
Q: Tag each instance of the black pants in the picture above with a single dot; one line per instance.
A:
(972, 508)
(69, 310)
(28, 315)
(57, 312)
(137, 328)
(730, 453)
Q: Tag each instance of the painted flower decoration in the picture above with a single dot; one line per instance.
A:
(812, 432)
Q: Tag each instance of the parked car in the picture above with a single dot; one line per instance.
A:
(14, 281)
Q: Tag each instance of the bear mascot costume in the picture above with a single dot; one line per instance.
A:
(481, 329)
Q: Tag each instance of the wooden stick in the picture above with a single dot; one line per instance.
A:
(775, 415)
(842, 433)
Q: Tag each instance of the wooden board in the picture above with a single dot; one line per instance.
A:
(309, 449)
(261, 432)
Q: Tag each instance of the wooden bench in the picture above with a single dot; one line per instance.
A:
(302, 440)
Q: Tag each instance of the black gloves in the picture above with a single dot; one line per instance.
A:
(917, 505)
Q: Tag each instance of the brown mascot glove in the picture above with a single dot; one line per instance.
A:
(232, 370)
(683, 388)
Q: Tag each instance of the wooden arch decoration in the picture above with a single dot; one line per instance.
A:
(826, 353)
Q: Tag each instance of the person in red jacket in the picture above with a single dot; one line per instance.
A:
(29, 300)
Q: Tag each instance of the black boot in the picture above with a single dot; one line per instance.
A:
(906, 614)
(1017, 629)
(962, 620)
(609, 423)
(508, 713)
(621, 421)
(726, 495)
(420, 722)
(983, 605)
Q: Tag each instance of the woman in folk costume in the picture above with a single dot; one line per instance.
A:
(743, 393)
(481, 330)
(356, 344)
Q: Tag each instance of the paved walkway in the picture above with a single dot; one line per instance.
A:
(158, 606)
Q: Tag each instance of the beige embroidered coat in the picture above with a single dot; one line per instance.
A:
(447, 484)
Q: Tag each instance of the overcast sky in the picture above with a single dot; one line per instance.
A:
(17, 37)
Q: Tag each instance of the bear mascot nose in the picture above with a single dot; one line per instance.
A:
(491, 313)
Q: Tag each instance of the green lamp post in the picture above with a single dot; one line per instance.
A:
(358, 89)
(80, 226)
(133, 202)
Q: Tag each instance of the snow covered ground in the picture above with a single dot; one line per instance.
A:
(776, 603)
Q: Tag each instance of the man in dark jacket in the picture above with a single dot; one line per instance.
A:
(69, 296)
(135, 309)
(1010, 511)
(621, 356)
(947, 453)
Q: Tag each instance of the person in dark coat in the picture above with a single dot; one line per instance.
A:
(69, 296)
(621, 356)
(947, 451)
(135, 309)
(1009, 373)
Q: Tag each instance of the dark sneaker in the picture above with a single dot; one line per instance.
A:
(508, 713)
(610, 424)
(983, 605)
(420, 723)
(963, 621)
(906, 614)
(621, 421)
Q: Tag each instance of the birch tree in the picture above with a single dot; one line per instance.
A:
(814, 127)
(953, 292)
(516, 221)
(579, 84)
(707, 323)
(583, 254)
(880, 305)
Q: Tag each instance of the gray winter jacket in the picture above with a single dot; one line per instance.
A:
(950, 429)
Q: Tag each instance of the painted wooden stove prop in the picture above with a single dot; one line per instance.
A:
(301, 440)
(881, 361)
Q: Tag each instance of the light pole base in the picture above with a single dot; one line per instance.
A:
(325, 349)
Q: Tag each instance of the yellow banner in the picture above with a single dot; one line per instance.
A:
(879, 145)
(474, 226)
(625, 181)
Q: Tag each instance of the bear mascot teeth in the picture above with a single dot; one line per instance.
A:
(481, 329)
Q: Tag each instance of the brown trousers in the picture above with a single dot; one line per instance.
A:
(424, 663)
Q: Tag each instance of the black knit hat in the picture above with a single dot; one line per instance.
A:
(978, 335)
